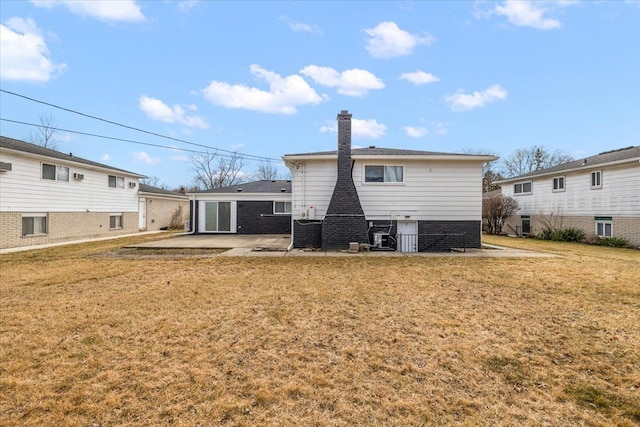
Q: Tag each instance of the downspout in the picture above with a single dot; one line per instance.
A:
(194, 219)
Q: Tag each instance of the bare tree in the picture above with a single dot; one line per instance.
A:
(45, 133)
(527, 160)
(154, 181)
(215, 171)
(490, 174)
(496, 210)
(267, 170)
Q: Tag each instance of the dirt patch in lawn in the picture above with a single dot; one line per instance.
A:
(92, 339)
(142, 253)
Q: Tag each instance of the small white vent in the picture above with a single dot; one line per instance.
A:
(78, 176)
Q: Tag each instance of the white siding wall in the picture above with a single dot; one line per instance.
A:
(23, 190)
(619, 195)
(433, 190)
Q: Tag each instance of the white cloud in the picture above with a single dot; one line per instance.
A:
(441, 128)
(109, 11)
(143, 157)
(461, 101)
(360, 128)
(419, 78)
(388, 40)
(105, 157)
(416, 132)
(354, 82)
(158, 110)
(24, 55)
(534, 14)
(283, 96)
(299, 27)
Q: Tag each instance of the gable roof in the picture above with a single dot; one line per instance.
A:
(262, 186)
(26, 147)
(373, 152)
(144, 188)
(621, 155)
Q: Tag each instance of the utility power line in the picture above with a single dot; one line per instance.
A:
(219, 150)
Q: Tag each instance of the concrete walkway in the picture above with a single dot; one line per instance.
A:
(275, 245)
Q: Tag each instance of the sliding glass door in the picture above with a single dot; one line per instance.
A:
(217, 217)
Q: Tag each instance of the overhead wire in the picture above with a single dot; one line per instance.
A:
(246, 156)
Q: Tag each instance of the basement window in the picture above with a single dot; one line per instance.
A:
(34, 224)
(115, 221)
(604, 226)
(383, 173)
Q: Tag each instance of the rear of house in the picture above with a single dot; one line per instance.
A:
(159, 207)
(599, 195)
(407, 200)
(258, 207)
(47, 196)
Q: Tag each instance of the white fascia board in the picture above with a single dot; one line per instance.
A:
(258, 197)
(482, 159)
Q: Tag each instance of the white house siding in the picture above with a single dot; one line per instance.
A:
(75, 209)
(619, 195)
(92, 193)
(578, 205)
(432, 190)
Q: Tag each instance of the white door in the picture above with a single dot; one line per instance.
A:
(142, 214)
(407, 236)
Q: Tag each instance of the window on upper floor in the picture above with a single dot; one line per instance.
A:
(522, 188)
(34, 224)
(55, 173)
(558, 183)
(116, 181)
(281, 207)
(379, 173)
(596, 179)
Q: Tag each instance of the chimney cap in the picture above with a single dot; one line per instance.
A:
(344, 111)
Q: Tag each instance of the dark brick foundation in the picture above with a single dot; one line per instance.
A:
(439, 236)
(339, 231)
(307, 234)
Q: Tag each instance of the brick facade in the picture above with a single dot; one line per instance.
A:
(344, 221)
(160, 211)
(307, 234)
(627, 228)
(63, 226)
(257, 217)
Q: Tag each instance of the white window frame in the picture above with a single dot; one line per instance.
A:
(59, 172)
(604, 222)
(285, 205)
(118, 181)
(43, 217)
(117, 224)
(522, 192)
(597, 182)
(385, 176)
(556, 187)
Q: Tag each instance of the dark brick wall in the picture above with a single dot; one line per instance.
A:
(307, 234)
(257, 217)
(344, 221)
(431, 233)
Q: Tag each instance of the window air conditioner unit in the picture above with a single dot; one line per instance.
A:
(132, 185)
(381, 240)
(78, 176)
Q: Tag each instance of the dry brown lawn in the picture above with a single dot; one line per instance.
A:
(92, 336)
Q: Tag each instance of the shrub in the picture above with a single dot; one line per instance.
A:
(570, 234)
(177, 219)
(614, 242)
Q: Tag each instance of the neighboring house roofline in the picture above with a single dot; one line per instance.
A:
(260, 187)
(36, 151)
(607, 158)
(151, 191)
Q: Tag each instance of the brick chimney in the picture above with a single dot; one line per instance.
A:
(344, 221)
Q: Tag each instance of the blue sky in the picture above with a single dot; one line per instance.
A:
(269, 78)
